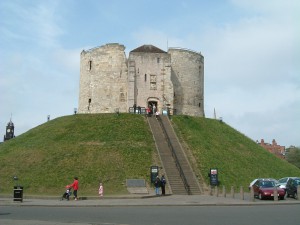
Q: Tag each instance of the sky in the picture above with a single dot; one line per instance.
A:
(251, 52)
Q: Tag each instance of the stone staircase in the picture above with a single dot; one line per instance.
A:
(179, 173)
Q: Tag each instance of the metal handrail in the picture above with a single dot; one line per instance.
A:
(186, 185)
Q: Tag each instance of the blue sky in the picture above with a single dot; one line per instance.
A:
(251, 52)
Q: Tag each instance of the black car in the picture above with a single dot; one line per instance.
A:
(291, 187)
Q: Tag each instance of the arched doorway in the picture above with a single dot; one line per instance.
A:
(153, 104)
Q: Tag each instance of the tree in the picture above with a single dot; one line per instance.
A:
(293, 156)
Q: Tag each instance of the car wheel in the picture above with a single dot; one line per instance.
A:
(281, 197)
(296, 196)
(260, 196)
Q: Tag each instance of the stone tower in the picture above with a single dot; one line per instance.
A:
(103, 80)
(172, 80)
(188, 80)
(150, 78)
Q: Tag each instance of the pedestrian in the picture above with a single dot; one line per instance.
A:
(163, 184)
(157, 185)
(154, 109)
(134, 108)
(156, 114)
(101, 190)
(75, 187)
(148, 110)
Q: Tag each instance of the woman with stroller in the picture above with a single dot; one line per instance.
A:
(75, 187)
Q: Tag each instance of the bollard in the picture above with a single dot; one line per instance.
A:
(296, 194)
(216, 191)
(224, 191)
(242, 193)
(251, 194)
(275, 193)
(209, 190)
(232, 191)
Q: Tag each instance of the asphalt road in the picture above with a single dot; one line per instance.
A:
(151, 215)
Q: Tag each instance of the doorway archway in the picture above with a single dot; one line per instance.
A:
(153, 104)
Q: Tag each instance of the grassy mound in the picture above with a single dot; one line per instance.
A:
(114, 148)
(239, 159)
(92, 147)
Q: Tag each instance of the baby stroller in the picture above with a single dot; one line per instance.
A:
(67, 193)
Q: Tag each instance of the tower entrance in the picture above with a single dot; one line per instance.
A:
(153, 105)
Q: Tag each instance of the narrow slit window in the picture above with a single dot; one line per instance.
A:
(90, 65)
(145, 77)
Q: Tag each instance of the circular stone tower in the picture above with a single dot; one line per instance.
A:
(188, 79)
(103, 80)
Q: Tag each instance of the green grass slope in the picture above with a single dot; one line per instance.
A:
(114, 148)
(239, 159)
(93, 147)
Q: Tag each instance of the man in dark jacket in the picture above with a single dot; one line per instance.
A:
(163, 185)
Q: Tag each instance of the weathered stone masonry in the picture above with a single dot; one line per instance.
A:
(110, 82)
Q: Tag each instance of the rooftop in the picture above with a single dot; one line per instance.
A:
(149, 49)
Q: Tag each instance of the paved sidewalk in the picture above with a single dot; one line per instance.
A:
(130, 200)
(140, 200)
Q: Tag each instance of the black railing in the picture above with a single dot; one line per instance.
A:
(137, 110)
(186, 185)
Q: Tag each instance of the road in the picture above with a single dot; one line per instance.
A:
(151, 215)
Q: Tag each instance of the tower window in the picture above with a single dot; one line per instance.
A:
(145, 77)
(90, 100)
(158, 59)
(90, 65)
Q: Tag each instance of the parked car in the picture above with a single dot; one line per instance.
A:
(283, 181)
(291, 187)
(264, 188)
(252, 182)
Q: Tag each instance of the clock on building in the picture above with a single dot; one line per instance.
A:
(9, 131)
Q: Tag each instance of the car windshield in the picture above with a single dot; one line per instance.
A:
(283, 180)
(297, 181)
(267, 184)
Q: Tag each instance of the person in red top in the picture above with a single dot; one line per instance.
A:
(75, 187)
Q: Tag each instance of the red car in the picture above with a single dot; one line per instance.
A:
(265, 189)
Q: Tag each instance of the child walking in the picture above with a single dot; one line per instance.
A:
(101, 190)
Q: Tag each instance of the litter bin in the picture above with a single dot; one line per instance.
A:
(18, 193)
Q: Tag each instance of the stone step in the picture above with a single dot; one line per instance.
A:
(172, 173)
